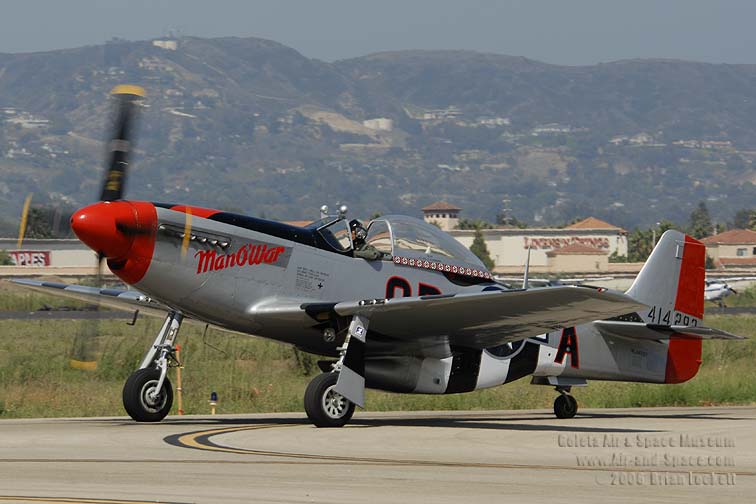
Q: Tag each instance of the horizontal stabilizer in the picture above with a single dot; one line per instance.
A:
(639, 330)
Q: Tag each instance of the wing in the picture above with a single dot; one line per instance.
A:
(119, 299)
(486, 319)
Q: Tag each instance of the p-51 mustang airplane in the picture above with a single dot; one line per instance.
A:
(424, 317)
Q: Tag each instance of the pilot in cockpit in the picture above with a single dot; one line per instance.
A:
(361, 248)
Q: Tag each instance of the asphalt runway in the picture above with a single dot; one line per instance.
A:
(627, 455)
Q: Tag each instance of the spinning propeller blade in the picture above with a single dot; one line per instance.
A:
(24, 219)
(85, 351)
(126, 97)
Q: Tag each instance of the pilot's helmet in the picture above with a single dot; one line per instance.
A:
(360, 233)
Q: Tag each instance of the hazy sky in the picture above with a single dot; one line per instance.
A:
(556, 31)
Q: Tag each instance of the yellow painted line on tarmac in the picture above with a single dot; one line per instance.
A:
(201, 441)
(68, 500)
(190, 440)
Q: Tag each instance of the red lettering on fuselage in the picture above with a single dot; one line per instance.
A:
(247, 255)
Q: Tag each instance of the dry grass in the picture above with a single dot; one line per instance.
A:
(255, 375)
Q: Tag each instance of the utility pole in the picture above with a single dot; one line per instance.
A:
(653, 234)
(505, 215)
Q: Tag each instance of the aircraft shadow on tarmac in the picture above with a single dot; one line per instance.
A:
(490, 423)
(667, 416)
(465, 421)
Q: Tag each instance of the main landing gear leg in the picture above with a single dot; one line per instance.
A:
(330, 397)
(147, 394)
(565, 406)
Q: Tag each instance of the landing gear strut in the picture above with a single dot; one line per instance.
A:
(565, 406)
(147, 394)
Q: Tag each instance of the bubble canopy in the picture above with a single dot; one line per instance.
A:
(415, 238)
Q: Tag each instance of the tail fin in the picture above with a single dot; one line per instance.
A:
(671, 282)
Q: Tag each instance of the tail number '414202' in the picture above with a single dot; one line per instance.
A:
(657, 315)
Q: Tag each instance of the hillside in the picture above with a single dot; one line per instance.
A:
(254, 126)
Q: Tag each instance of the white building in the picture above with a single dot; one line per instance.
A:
(549, 247)
(735, 248)
(379, 124)
(28, 121)
(169, 45)
(442, 214)
(48, 256)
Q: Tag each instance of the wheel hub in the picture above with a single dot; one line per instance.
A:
(334, 404)
(152, 400)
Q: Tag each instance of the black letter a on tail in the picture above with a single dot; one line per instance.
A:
(568, 345)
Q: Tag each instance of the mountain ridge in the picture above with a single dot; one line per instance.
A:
(252, 125)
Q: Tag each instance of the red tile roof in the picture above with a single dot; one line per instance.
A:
(576, 249)
(737, 261)
(441, 206)
(592, 223)
(732, 237)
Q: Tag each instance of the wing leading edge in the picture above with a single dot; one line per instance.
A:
(119, 299)
(485, 319)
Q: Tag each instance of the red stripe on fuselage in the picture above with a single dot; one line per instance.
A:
(690, 286)
(198, 211)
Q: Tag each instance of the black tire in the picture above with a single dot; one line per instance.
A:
(135, 400)
(565, 406)
(324, 407)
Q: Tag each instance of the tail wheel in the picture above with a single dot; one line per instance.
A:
(565, 406)
(324, 406)
(142, 401)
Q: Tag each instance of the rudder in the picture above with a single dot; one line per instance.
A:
(671, 282)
